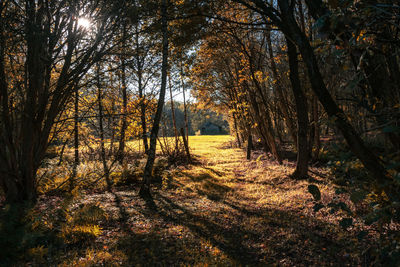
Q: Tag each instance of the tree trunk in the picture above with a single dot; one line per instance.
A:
(249, 144)
(236, 130)
(76, 139)
(185, 106)
(101, 129)
(317, 139)
(186, 145)
(283, 105)
(145, 188)
(173, 113)
(265, 128)
(302, 114)
(111, 126)
(61, 157)
(141, 94)
(121, 147)
(278, 128)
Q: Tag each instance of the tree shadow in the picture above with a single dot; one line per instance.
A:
(218, 173)
(209, 186)
(228, 240)
(245, 234)
(274, 235)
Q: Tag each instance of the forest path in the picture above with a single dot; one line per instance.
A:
(224, 211)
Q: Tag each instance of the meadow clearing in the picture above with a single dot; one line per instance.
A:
(223, 210)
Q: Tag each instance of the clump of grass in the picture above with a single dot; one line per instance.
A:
(89, 214)
(95, 257)
(82, 225)
(80, 234)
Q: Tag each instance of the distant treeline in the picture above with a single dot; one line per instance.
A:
(197, 119)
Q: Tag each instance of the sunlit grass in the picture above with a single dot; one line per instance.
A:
(223, 210)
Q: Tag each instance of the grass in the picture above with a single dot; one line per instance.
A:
(224, 211)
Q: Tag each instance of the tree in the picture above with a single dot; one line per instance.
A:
(123, 85)
(54, 53)
(145, 188)
(285, 20)
(301, 110)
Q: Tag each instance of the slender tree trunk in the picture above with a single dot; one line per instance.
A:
(173, 113)
(121, 147)
(265, 128)
(283, 105)
(186, 145)
(145, 188)
(311, 131)
(76, 139)
(394, 69)
(278, 128)
(271, 138)
(301, 15)
(265, 120)
(60, 160)
(141, 93)
(236, 131)
(302, 114)
(101, 129)
(317, 138)
(185, 106)
(249, 144)
(111, 125)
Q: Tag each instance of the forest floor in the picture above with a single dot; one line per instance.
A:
(225, 211)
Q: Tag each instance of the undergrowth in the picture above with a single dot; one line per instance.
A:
(368, 202)
(38, 235)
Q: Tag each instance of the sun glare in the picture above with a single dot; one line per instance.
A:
(84, 22)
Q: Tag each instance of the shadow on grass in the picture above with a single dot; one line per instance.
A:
(208, 186)
(243, 234)
(218, 173)
(274, 237)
